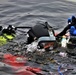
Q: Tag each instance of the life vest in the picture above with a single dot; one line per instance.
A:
(72, 31)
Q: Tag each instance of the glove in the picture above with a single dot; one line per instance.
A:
(58, 38)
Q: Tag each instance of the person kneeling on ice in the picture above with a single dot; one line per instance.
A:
(44, 35)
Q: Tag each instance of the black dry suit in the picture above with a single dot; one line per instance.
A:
(73, 23)
(38, 31)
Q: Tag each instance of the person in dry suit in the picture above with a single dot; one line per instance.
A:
(44, 34)
(38, 31)
(71, 27)
(71, 44)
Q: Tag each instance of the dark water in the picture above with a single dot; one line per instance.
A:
(29, 12)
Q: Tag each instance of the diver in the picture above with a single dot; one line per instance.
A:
(44, 35)
(38, 31)
(71, 27)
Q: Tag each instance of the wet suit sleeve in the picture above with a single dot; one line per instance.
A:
(64, 31)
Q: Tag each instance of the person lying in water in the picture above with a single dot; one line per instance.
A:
(44, 35)
(38, 31)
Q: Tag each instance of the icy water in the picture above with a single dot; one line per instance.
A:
(30, 12)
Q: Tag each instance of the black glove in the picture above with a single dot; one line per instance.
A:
(58, 38)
